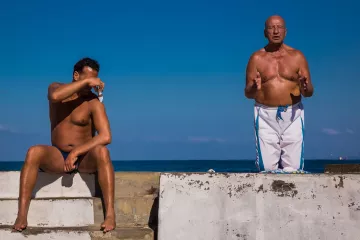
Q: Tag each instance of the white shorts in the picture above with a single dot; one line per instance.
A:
(279, 135)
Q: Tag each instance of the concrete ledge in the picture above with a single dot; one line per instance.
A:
(259, 206)
(80, 185)
(77, 234)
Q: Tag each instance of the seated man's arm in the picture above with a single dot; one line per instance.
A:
(102, 126)
(305, 72)
(251, 71)
(58, 92)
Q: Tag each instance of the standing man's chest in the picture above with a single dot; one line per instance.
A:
(284, 67)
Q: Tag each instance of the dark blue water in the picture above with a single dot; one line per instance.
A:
(243, 166)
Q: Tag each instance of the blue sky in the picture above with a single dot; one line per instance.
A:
(174, 73)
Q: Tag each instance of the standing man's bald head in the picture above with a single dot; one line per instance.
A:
(275, 29)
(276, 18)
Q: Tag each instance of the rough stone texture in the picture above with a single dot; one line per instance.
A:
(136, 184)
(258, 206)
(77, 234)
(342, 168)
(51, 212)
(129, 211)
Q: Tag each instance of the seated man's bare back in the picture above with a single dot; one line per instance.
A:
(76, 115)
(277, 77)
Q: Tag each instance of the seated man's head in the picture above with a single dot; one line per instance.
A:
(86, 68)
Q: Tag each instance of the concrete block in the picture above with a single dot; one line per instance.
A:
(259, 206)
(51, 213)
(49, 185)
(129, 211)
(77, 234)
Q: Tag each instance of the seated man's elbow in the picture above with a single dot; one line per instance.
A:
(107, 139)
(53, 97)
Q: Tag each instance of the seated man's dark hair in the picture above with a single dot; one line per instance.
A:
(86, 62)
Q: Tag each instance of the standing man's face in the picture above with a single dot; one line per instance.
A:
(275, 30)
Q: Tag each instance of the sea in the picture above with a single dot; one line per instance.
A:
(230, 166)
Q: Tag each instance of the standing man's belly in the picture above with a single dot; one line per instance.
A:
(278, 92)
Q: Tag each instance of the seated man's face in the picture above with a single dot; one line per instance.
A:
(87, 72)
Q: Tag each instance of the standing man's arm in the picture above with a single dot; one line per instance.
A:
(306, 86)
(253, 81)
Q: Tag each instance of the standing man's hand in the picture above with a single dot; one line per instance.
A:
(69, 164)
(303, 82)
(96, 83)
(257, 81)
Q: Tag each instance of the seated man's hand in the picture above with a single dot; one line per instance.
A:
(70, 161)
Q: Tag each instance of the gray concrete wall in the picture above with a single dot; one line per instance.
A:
(258, 207)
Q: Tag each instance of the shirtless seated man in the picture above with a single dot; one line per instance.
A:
(75, 115)
(276, 77)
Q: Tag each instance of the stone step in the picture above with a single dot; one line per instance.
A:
(127, 184)
(51, 212)
(60, 212)
(76, 234)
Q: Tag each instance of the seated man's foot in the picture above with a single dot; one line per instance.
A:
(20, 224)
(109, 223)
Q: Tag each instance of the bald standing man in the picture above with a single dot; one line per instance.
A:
(277, 77)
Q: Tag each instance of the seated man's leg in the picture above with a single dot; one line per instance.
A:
(267, 140)
(98, 159)
(47, 158)
(292, 143)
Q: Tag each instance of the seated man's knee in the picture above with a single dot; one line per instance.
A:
(102, 154)
(34, 154)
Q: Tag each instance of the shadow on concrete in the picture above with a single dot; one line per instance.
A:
(67, 180)
(88, 179)
(44, 180)
(153, 219)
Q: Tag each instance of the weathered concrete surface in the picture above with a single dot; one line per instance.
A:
(258, 206)
(51, 213)
(77, 234)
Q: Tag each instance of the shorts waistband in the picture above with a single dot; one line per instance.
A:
(276, 108)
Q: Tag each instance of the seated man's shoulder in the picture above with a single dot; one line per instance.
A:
(54, 85)
(94, 101)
